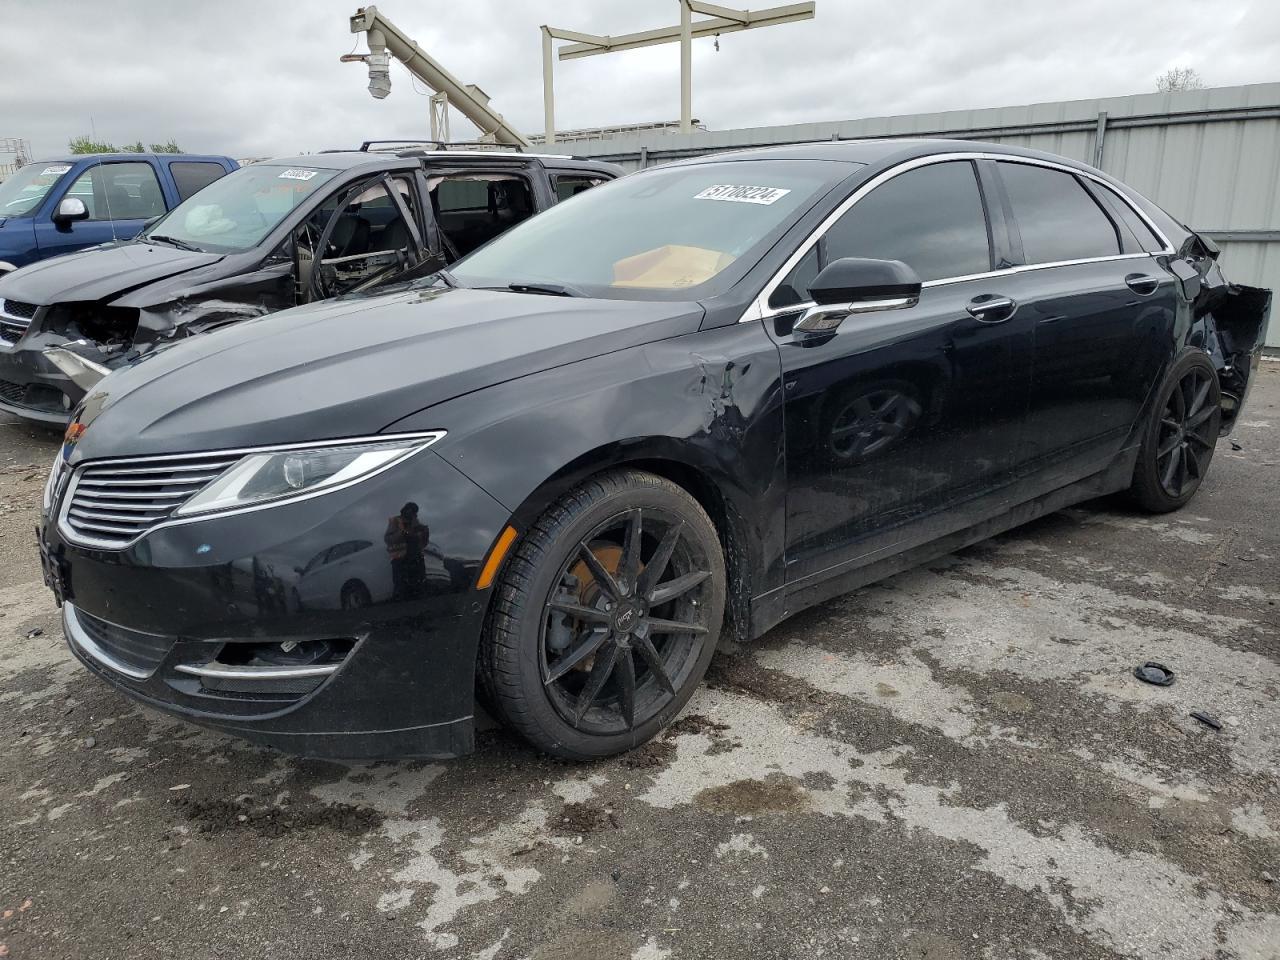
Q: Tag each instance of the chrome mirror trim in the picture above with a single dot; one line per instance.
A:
(826, 317)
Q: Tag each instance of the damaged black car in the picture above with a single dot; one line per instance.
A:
(269, 236)
(707, 395)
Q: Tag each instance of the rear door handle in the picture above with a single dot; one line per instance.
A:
(990, 308)
(1142, 284)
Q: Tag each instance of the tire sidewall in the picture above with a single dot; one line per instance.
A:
(566, 740)
(1150, 493)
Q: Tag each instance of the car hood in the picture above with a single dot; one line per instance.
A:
(99, 273)
(353, 366)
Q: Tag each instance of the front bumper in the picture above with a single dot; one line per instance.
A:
(33, 388)
(170, 620)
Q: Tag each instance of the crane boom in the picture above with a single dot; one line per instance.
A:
(385, 38)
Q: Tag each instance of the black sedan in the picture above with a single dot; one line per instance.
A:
(709, 394)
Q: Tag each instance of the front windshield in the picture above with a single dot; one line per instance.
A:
(681, 232)
(23, 192)
(236, 212)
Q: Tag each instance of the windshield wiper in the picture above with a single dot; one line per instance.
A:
(550, 289)
(174, 242)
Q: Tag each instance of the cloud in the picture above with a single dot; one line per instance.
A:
(263, 79)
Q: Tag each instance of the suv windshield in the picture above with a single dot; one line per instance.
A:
(237, 211)
(26, 189)
(681, 232)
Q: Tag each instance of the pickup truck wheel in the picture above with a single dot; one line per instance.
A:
(1180, 437)
(606, 617)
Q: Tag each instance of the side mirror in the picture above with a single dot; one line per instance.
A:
(856, 285)
(70, 210)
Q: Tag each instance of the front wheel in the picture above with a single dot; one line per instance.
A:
(1179, 441)
(606, 617)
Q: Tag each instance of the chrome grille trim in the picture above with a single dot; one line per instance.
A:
(111, 504)
(98, 488)
(17, 311)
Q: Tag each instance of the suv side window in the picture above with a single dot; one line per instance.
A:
(192, 176)
(1056, 216)
(931, 218)
(119, 191)
(571, 184)
(473, 208)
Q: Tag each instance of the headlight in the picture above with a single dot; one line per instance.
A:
(282, 474)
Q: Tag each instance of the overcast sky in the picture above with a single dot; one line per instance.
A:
(263, 79)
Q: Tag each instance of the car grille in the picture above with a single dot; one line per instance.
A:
(114, 503)
(18, 310)
(15, 393)
(133, 648)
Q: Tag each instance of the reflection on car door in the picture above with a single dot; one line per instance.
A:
(1102, 318)
(904, 412)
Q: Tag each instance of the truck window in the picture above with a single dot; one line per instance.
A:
(192, 176)
(473, 208)
(571, 184)
(119, 191)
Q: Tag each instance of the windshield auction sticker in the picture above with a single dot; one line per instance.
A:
(742, 194)
(297, 175)
(57, 171)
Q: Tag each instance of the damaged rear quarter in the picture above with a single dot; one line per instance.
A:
(1230, 323)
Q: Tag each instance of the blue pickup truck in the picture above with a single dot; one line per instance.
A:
(57, 206)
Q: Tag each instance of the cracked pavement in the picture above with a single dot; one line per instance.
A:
(953, 763)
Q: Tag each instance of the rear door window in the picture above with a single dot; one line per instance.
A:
(119, 191)
(473, 208)
(1056, 216)
(192, 176)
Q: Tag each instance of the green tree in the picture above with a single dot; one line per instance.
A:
(134, 148)
(170, 147)
(89, 145)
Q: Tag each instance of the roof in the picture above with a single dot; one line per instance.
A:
(377, 160)
(77, 157)
(874, 152)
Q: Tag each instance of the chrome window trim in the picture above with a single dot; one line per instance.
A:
(759, 308)
(77, 635)
(70, 535)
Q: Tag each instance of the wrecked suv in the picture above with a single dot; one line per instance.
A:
(268, 236)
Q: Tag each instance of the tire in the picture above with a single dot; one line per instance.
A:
(564, 644)
(1178, 442)
(354, 596)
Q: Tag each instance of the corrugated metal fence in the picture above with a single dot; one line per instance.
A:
(1210, 157)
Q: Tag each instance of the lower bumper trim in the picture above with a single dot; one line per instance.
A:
(224, 671)
(87, 645)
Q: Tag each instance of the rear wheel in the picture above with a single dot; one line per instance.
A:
(1180, 439)
(606, 617)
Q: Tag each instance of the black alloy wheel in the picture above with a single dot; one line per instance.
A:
(607, 616)
(1180, 441)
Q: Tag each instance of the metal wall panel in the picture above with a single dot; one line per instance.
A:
(1209, 157)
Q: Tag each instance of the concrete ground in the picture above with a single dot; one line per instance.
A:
(954, 763)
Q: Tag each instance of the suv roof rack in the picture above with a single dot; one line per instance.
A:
(370, 146)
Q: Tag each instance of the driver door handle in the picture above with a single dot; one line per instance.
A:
(991, 308)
